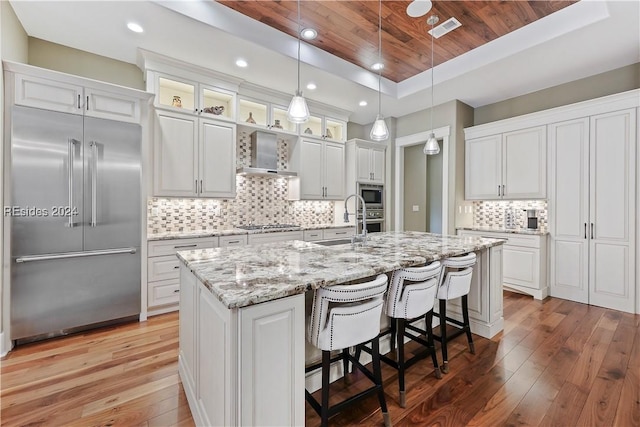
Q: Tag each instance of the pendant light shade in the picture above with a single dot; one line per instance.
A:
(379, 131)
(431, 147)
(298, 111)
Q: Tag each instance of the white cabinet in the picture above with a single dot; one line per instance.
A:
(321, 170)
(234, 240)
(328, 234)
(510, 165)
(524, 262)
(163, 266)
(241, 366)
(592, 209)
(324, 127)
(193, 157)
(365, 162)
(258, 114)
(278, 236)
(33, 91)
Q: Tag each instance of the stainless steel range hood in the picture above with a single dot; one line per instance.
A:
(264, 157)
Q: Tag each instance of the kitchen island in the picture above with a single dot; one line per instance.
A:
(242, 315)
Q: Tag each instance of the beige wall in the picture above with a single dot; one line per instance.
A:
(14, 47)
(354, 130)
(80, 63)
(615, 81)
(415, 188)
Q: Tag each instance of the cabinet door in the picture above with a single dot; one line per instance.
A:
(105, 105)
(569, 210)
(377, 165)
(311, 169)
(363, 164)
(217, 166)
(524, 161)
(334, 171)
(48, 94)
(483, 168)
(175, 155)
(521, 266)
(612, 213)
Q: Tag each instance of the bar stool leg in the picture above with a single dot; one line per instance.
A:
(377, 374)
(393, 329)
(326, 368)
(400, 361)
(467, 326)
(432, 348)
(443, 335)
(345, 365)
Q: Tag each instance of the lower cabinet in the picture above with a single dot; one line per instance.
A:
(241, 366)
(278, 236)
(328, 234)
(524, 264)
(163, 278)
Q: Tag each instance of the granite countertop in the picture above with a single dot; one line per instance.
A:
(170, 235)
(242, 276)
(517, 230)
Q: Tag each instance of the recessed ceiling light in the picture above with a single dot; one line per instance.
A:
(363, 103)
(311, 86)
(136, 28)
(377, 66)
(241, 63)
(419, 8)
(309, 33)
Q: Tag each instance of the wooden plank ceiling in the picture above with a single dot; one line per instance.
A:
(349, 28)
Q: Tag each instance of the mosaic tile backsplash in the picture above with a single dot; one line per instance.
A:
(492, 213)
(259, 200)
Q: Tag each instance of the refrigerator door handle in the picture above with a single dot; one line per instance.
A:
(72, 155)
(46, 257)
(94, 183)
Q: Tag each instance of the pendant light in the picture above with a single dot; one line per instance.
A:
(298, 111)
(432, 147)
(379, 131)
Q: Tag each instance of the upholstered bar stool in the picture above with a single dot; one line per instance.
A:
(455, 282)
(344, 316)
(411, 297)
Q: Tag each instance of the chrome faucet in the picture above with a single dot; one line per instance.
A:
(362, 237)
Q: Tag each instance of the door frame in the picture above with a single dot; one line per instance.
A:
(442, 134)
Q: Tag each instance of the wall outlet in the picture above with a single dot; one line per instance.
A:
(416, 208)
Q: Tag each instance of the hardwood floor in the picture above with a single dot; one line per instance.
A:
(557, 363)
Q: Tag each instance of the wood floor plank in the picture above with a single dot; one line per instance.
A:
(557, 363)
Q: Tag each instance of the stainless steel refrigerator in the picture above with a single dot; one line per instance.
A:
(75, 222)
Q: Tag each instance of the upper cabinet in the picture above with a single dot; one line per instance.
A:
(510, 165)
(193, 157)
(321, 172)
(185, 96)
(254, 113)
(48, 94)
(324, 127)
(365, 161)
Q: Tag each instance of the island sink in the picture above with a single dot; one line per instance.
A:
(333, 242)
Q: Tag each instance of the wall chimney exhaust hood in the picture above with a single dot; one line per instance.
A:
(264, 157)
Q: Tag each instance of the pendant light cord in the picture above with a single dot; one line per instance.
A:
(298, 45)
(432, 24)
(379, 57)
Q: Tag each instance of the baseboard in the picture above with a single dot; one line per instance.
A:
(538, 294)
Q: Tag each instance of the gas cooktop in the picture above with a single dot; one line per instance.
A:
(252, 227)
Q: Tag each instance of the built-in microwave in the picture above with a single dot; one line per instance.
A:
(373, 195)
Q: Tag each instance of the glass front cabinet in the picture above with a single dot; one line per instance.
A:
(264, 115)
(324, 127)
(181, 95)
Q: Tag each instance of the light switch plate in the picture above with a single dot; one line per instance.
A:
(416, 208)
